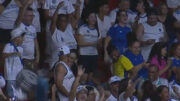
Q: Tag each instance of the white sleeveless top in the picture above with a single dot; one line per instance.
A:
(111, 98)
(151, 32)
(67, 82)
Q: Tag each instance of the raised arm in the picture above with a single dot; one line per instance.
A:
(54, 18)
(72, 94)
(60, 73)
(22, 11)
(4, 5)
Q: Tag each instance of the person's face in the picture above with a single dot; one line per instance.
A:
(123, 17)
(153, 73)
(165, 94)
(164, 51)
(105, 9)
(135, 48)
(177, 51)
(114, 87)
(81, 96)
(62, 23)
(19, 40)
(125, 5)
(115, 55)
(91, 96)
(140, 7)
(164, 9)
(91, 19)
(28, 17)
(72, 59)
(152, 20)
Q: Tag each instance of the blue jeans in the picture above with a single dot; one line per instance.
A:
(9, 88)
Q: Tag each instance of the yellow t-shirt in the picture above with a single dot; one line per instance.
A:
(123, 64)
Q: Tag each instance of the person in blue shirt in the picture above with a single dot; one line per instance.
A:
(117, 33)
(134, 54)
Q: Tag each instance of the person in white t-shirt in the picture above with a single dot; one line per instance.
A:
(49, 8)
(62, 33)
(13, 61)
(150, 32)
(124, 5)
(114, 82)
(30, 44)
(88, 38)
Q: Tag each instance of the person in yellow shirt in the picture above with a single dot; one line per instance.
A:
(122, 66)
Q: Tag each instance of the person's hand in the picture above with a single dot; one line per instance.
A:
(145, 64)
(150, 41)
(61, 4)
(81, 71)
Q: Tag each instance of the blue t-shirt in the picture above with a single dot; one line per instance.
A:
(175, 63)
(118, 36)
(136, 60)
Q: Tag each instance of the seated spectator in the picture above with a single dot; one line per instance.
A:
(158, 56)
(150, 32)
(13, 61)
(124, 5)
(163, 93)
(174, 86)
(117, 33)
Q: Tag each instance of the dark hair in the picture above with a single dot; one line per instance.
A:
(99, 4)
(123, 85)
(152, 11)
(111, 48)
(117, 15)
(173, 49)
(160, 89)
(131, 38)
(149, 91)
(156, 51)
(159, 7)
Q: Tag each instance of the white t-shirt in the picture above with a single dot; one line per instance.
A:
(173, 3)
(52, 5)
(111, 98)
(172, 93)
(104, 25)
(67, 82)
(64, 38)
(177, 15)
(121, 98)
(89, 35)
(142, 18)
(13, 64)
(131, 16)
(29, 42)
(36, 19)
(9, 15)
(151, 32)
(160, 81)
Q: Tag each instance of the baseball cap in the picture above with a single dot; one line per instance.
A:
(114, 79)
(81, 88)
(64, 50)
(2, 82)
(17, 32)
